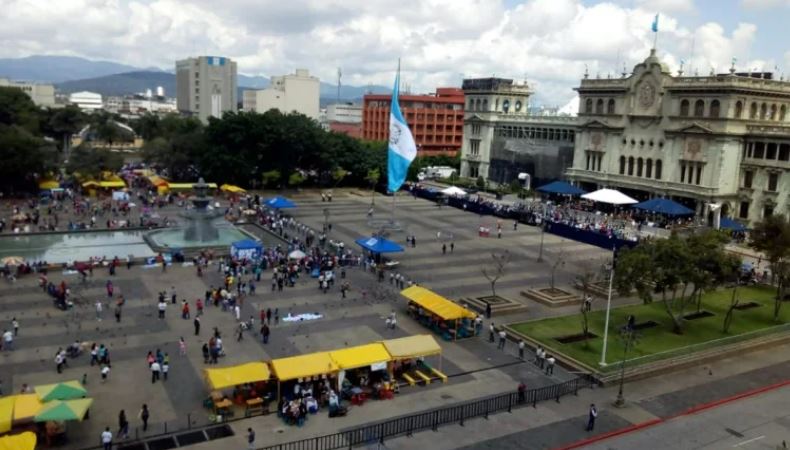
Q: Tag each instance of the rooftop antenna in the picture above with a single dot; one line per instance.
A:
(339, 75)
(625, 72)
(586, 71)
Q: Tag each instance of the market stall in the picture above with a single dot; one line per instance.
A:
(441, 315)
(363, 372)
(309, 368)
(279, 203)
(377, 246)
(408, 358)
(249, 383)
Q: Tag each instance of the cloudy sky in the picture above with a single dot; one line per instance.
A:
(440, 41)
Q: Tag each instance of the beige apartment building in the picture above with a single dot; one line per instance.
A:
(298, 92)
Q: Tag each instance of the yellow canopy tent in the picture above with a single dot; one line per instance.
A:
(412, 346)
(6, 413)
(434, 303)
(48, 184)
(112, 184)
(232, 189)
(22, 441)
(90, 183)
(225, 377)
(302, 366)
(26, 406)
(180, 186)
(360, 356)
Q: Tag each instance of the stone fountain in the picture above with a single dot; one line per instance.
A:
(199, 220)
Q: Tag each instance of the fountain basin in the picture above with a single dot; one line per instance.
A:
(59, 247)
(165, 240)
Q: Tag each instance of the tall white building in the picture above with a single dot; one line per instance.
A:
(717, 139)
(41, 94)
(86, 101)
(298, 92)
(206, 86)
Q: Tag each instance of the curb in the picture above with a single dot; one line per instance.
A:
(688, 412)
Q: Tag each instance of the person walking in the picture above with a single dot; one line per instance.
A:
(143, 415)
(196, 322)
(521, 345)
(550, 365)
(268, 316)
(165, 367)
(118, 313)
(522, 392)
(491, 332)
(156, 368)
(265, 333)
(591, 417)
(444, 249)
(99, 309)
(162, 308)
(15, 326)
(452, 246)
(488, 310)
(8, 340)
(123, 425)
(182, 346)
(250, 439)
(106, 439)
(502, 339)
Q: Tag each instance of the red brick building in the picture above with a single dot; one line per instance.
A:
(352, 129)
(436, 121)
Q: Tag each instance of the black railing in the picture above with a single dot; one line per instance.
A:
(432, 420)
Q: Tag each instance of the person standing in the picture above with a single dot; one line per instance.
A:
(155, 369)
(59, 362)
(268, 316)
(165, 368)
(123, 425)
(118, 313)
(250, 439)
(502, 339)
(550, 365)
(106, 439)
(162, 308)
(8, 340)
(196, 322)
(265, 333)
(99, 308)
(491, 332)
(521, 346)
(444, 249)
(15, 326)
(591, 417)
(488, 310)
(182, 346)
(143, 415)
(452, 246)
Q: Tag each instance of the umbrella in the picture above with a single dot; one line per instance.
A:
(61, 391)
(60, 410)
(12, 261)
(609, 196)
(297, 254)
(22, 441)
(279, 203)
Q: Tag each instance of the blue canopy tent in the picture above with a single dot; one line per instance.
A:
(560, 187)
(279, 203)
(379, 245)
(664, 206)
(732, 225)
(246, 248)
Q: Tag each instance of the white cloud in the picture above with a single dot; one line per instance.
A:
(764, 4)
(548, 41)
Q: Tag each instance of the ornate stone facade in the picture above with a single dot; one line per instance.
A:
(501, 139)
(698, 140)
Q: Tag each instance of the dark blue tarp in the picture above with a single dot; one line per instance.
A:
(591, 237)
(279, 203)
(732, 225)
(560, 187)
(664, 206)
(379, 245)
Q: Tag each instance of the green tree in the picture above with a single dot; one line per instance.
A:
(480, 183)
(16, 108)
(271, 178)
(62, 123)
(24, 157)
(658, 266)
(771, 237)
(91, 162)
(296, 179)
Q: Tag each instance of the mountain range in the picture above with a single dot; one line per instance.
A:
(73, 74)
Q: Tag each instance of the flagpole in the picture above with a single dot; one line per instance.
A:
(394, 99)
(608, 311)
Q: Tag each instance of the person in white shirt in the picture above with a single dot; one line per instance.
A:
(550, 365)
(106, 438)
(155, 369)
(8, 340)
(99, 309)
(105, 372)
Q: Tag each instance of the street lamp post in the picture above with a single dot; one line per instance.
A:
(542, 232)
(629, 337)
(608, 311)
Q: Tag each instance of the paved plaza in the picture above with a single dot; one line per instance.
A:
(476, 368)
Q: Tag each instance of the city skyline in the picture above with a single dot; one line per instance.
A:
(548, 42)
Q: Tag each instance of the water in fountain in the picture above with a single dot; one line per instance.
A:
(199, 220)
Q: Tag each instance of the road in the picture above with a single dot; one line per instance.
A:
(759, 422)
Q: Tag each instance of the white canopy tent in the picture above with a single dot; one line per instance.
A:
(453, 191)
(609, 196)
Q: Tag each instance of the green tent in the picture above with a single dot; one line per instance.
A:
(66, 390)
(61, 410)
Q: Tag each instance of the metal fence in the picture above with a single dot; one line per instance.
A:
(431, 420)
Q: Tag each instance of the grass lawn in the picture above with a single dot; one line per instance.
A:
(660, 338)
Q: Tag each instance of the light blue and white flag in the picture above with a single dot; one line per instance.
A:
(654, 26)
(402, 149)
